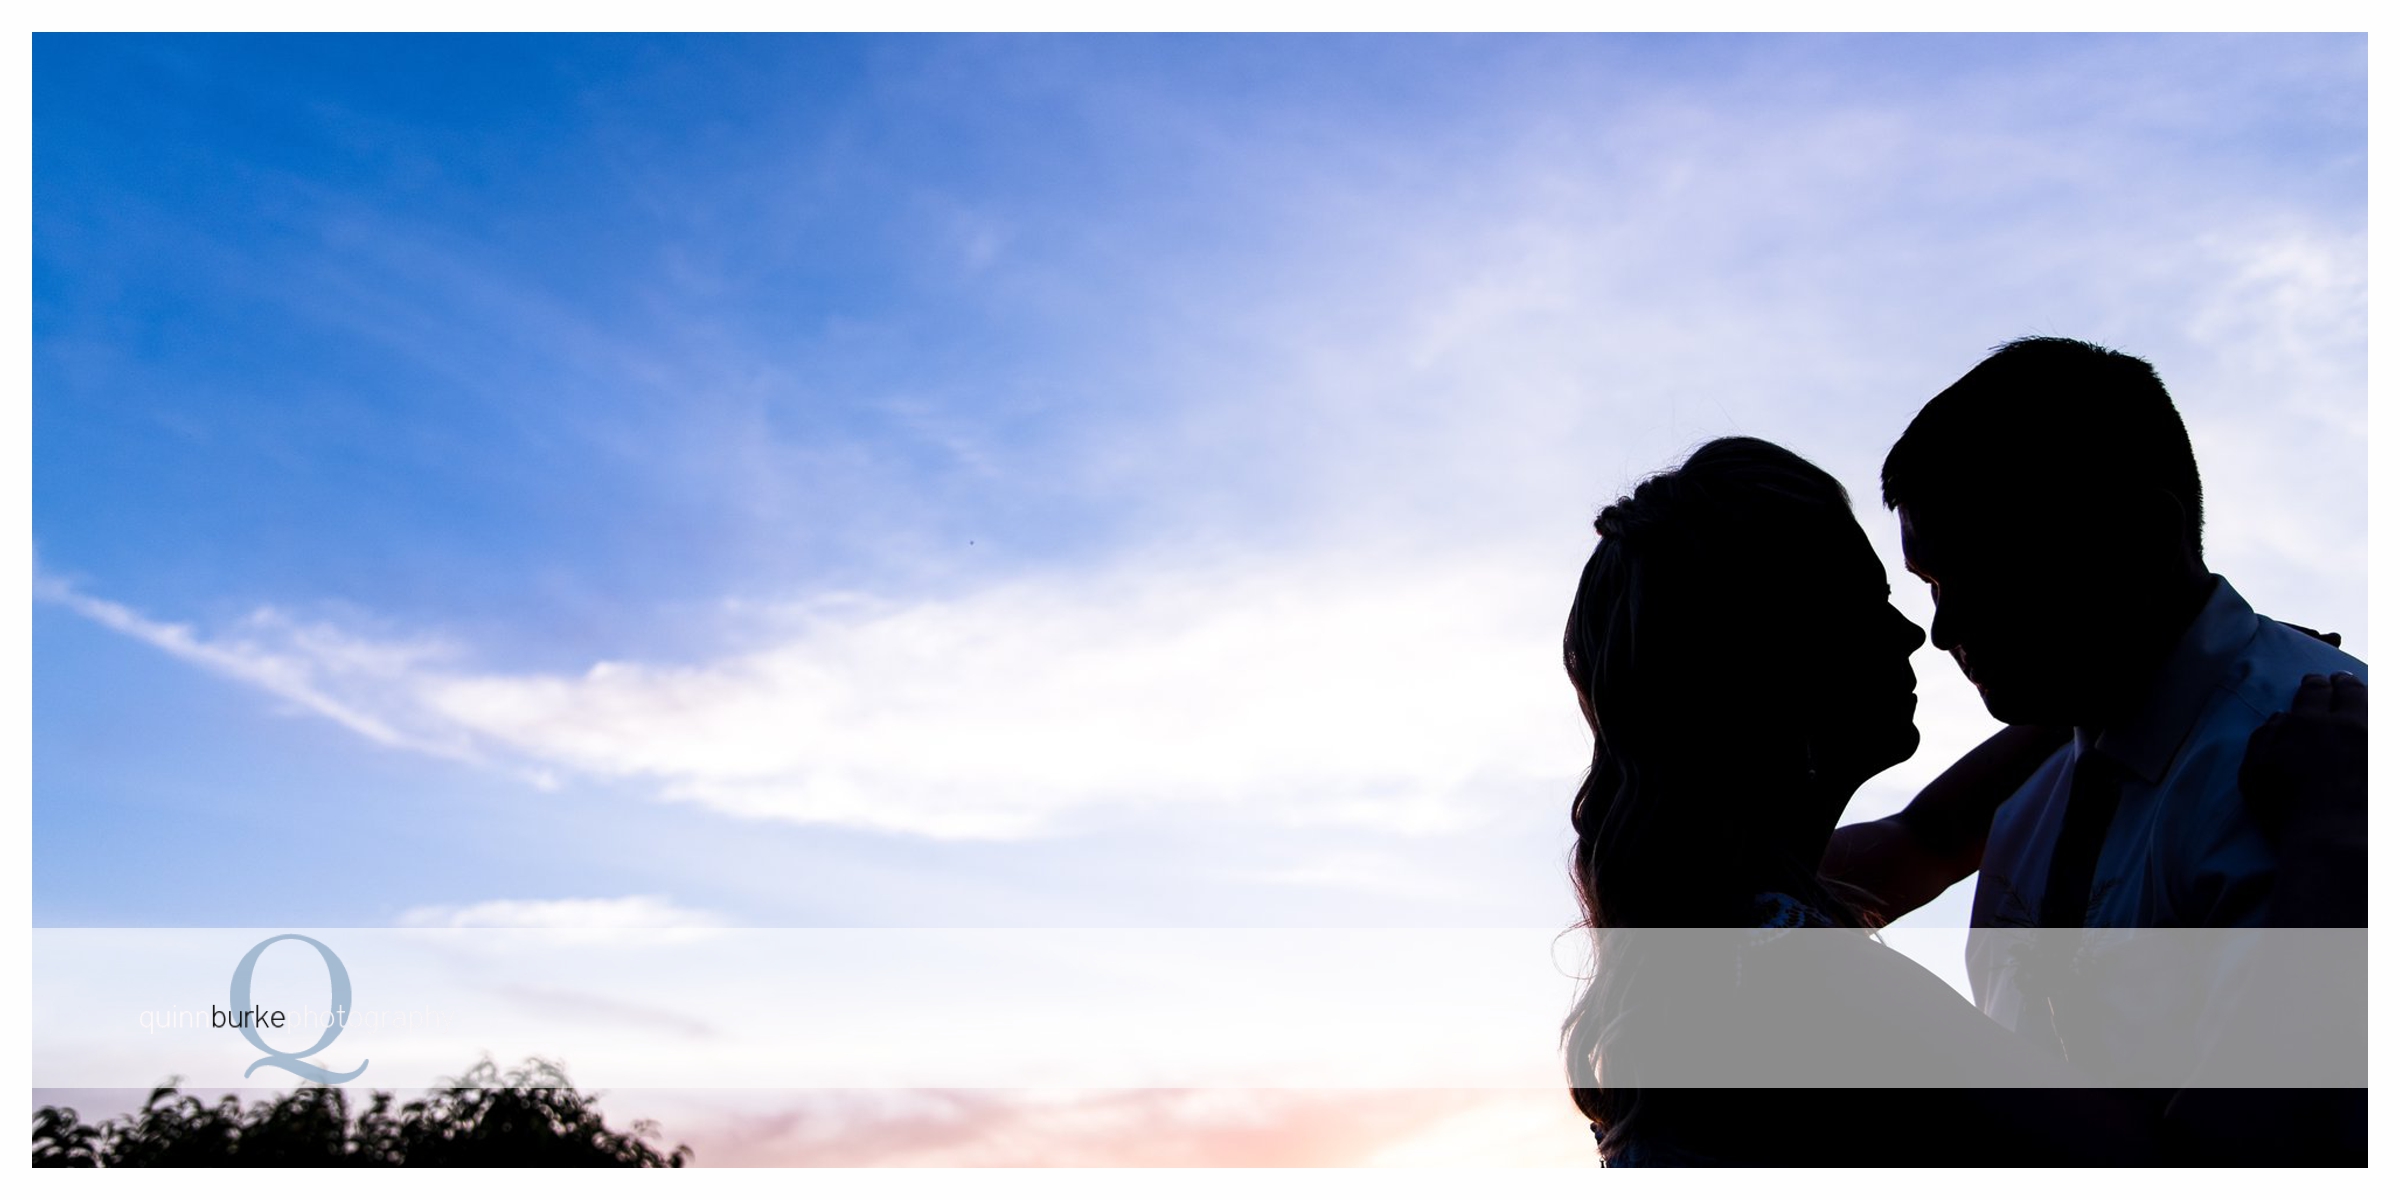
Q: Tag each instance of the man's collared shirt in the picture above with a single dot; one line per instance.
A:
(2180, 852)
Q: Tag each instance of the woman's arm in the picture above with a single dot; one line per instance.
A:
(1825, 1046)
(1914, 855)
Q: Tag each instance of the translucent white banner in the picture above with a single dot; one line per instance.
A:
(1153, 1008)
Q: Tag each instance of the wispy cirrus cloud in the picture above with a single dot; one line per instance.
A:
(619, 912)
(313, 667)
(1317, 691)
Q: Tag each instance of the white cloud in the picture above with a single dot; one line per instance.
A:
(1381, 692)
(623, 912)
(1371, 872)
(2290, 299)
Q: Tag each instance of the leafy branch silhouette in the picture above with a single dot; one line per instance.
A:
(528, 1116)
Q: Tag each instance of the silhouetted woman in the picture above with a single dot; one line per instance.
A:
(1735, 649)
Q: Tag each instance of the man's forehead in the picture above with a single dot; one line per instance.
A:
(1940, 534)
(1915, 535)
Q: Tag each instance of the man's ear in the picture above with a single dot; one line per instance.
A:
(2156, 522)
(2187, 549)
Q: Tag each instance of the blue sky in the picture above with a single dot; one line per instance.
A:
(1038, 481)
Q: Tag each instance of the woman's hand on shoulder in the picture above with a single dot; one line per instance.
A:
(2304, 776)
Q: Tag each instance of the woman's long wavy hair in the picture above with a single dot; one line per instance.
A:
(1688, 761)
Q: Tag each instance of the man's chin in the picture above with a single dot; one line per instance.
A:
(2012, 707)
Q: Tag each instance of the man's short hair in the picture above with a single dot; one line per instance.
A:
(2047, 420)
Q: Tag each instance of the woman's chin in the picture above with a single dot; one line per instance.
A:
(1895, 748)
(1907, 748)
(1905, 741)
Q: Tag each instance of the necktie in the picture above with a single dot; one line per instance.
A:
(2091, 803)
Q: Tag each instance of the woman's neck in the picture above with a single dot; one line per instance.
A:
(1793, 806)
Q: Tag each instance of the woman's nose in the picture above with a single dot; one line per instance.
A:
(1916, 636)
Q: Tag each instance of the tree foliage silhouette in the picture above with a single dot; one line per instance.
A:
(529, 1116)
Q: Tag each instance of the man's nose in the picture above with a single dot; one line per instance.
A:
(1945, 625)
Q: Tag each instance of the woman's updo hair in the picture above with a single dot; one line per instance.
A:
(1689, 567)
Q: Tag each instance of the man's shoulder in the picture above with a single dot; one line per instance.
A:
(2213, 863)
(2255, 684)
(2285, 644)
(2260, 680)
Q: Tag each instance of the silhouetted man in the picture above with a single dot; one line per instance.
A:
(2050, 500)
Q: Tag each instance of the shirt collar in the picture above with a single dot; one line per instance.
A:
(2145, 742)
